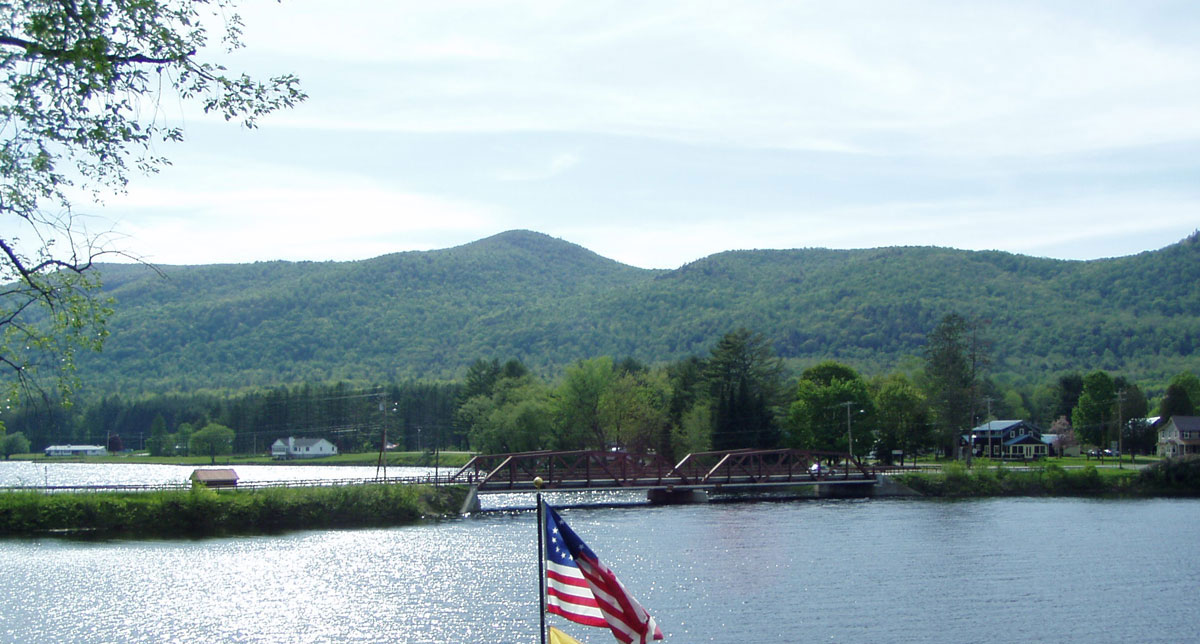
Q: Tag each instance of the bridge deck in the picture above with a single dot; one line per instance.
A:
(596, 470)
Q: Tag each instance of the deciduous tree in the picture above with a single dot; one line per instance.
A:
(1176, 402)
(213, 440)
(635, 410)
(1190, 383)
(83, 85)
(825, 395)
(14, 443)
(517, 417)
(157, 443)
(1065, 439)
(902, 418)
(693, 433)
(1096, 410)
(578, 401)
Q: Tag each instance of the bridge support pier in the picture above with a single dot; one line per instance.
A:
(671, 496)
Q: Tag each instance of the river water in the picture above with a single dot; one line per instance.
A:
(993, 570)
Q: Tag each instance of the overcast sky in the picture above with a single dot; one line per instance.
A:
(656, 133)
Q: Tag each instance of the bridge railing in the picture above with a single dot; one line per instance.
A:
(590, 468)
(565, 469)
(766, 465)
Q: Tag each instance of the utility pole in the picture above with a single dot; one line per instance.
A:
(381, 464)
(991, 449)
(1120, 429)
(849, 434)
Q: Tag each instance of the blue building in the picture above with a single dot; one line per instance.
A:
(1007, 439)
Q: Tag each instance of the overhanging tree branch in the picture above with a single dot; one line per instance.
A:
(33, 51)
(74, 75)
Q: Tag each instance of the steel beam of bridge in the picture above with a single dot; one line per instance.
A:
(598, 470)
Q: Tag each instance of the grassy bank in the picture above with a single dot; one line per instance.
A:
(1171, 477)
(421, 459)
(204, 512)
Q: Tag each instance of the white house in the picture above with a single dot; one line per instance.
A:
(76, 450)
(302, 448)
(1179, 436)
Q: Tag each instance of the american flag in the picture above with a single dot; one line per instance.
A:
(585, 591)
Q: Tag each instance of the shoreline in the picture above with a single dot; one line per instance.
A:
(399, 459)
(1179, 477)
(203, 512)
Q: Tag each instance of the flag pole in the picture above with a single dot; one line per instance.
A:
(537, 482)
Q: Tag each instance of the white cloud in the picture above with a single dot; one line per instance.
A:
(274, 213)
(657, 133)
(933, 77)
(1058, 228)
(556, 166)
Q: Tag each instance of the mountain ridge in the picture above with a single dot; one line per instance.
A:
(549, 302)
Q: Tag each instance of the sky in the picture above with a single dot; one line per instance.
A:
(658, 133)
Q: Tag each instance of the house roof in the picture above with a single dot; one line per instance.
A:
(1002, 426)
(75, 447)
(300, 442)
(997, 425)
(1023, 439)
(209, 475)
(1188, 423)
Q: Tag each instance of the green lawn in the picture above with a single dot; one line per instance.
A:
(445, 459)
(1066, 461)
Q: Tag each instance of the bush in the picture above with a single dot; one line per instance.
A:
(203, 512)
(957, 481)
(1179, 475)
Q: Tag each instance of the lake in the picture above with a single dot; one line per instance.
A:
(896, 570)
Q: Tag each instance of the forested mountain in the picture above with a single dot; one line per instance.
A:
(549, 303)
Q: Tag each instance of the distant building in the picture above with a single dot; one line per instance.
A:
(1007, 439)
(76, 450)
(302, 448)
(224, 477)
(1178, 436)
(1058, 448)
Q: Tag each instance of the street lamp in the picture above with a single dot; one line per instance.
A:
(849, 429)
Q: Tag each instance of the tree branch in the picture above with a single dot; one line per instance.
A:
(33, 50)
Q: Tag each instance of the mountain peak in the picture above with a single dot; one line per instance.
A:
(549, 252)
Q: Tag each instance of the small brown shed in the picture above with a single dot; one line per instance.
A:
(224, 477)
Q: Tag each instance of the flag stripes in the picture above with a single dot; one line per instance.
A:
(585, 591)
(568, 595)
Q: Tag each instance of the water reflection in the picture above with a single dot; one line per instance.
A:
(1002, 570)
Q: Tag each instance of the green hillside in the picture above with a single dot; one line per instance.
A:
(549, 302)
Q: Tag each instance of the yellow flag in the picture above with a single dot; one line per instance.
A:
(559, 637)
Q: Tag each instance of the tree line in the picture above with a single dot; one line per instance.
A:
(739, 394)
(427, 315)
